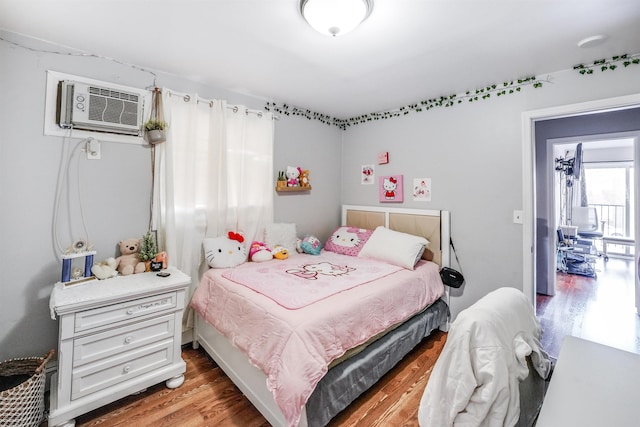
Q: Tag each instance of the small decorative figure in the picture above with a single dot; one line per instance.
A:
(293, 174)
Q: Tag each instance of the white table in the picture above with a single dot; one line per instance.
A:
(592, 385)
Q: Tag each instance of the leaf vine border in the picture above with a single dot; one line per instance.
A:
(608, 64)
(484, 93)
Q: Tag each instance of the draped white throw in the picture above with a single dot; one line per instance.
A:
(213, 174)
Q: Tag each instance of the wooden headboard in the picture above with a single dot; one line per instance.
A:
(431, 224)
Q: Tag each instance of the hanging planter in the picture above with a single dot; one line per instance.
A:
(155, 131)
(154, 128)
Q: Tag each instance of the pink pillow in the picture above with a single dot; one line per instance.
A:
(347, 240)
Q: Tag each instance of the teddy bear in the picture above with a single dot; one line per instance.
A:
(304, 178)
(293, 173)
(105, 269)
(128, 261)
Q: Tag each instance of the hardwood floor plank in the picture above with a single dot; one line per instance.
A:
(600, 309)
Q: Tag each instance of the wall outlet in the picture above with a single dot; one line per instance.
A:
(517, 217)
(93, 149)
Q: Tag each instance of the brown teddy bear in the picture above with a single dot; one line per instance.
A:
(304, 178)
(128, 261)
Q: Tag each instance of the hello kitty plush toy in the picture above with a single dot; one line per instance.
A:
(293, 174)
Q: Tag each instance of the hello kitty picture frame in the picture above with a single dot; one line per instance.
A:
(390, 189)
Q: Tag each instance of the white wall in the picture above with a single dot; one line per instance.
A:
(115, 188)
(473, 154)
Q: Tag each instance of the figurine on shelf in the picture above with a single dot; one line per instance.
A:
(293, 174)
(304, 178)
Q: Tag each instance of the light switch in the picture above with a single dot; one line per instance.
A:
(517, 217)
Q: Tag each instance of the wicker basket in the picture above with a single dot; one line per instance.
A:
(23, 405)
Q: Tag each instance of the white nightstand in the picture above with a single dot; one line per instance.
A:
(116, 337)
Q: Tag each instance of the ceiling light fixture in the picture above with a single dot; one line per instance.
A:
(592, 41)
(335, 17)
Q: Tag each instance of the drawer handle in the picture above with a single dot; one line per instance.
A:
(128, 339)
(130, 311)
(126, 369)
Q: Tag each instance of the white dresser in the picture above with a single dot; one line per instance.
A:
(116, 337)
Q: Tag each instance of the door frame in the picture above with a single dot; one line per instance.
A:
(529, 119)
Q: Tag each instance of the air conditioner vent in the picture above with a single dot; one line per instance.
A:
(90, 107)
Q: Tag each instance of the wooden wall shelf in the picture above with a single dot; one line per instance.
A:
(292, 189)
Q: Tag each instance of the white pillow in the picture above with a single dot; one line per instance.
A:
(281, 234)
(394, 247)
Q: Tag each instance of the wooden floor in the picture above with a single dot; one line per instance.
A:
(209, 398)
(600, 309)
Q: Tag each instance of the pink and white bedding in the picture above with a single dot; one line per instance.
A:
(322, 276)
(294, 347)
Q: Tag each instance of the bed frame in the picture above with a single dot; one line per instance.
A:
(432, 224)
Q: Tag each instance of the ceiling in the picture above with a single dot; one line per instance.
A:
(405, 52)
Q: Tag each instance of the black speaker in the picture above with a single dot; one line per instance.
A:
(451, 277)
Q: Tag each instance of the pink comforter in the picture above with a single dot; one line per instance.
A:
(294, 347)
(323, 276)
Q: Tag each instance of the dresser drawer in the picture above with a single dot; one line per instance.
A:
(110, 314)
(98, 376)
(111, 342)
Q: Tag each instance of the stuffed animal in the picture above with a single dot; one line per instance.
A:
(311, 245)
(105, 269)
(259, 252)
(304, 178)
(293, 174)
(128, 261)
(280, 252)
(225, 251)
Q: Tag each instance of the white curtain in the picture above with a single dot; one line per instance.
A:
(213, 174)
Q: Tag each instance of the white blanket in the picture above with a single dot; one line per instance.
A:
(475, 380)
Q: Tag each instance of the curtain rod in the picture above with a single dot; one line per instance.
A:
(235, 108)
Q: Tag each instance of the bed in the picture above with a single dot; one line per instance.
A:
(300, 362)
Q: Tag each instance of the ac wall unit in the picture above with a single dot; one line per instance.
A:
(96, 108)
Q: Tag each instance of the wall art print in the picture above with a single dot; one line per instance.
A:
(391, 189)
(367, 174)
(422, 189)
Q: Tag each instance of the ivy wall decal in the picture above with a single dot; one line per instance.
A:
(484, 93)
(608, 64)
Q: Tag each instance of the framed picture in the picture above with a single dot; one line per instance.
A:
(421, 189)
(367, 174)
(391, 189)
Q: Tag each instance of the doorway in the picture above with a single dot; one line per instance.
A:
(592, 118)
(593, 198)
(617, 115)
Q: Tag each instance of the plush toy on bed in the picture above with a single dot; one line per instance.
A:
(225, 251)
(128, 261)
(280, 252)
(259, 252)
(311, 245)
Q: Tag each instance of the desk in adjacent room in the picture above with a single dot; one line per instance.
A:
(592, 385)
